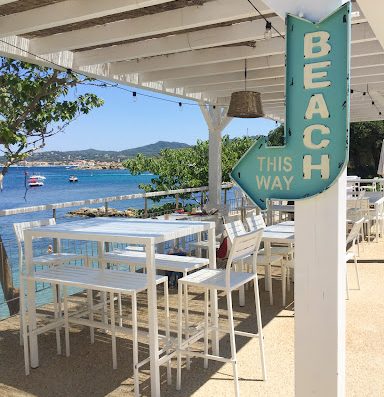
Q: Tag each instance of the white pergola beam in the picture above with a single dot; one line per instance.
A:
(212, 69)
(162, 23)
(200, 57)
(366, 48)
(369, 60)
(259, 74)
(256, 79)
(228, 78)
(242, 32)
(238, 33)
(275, 46)
(239, 85)
(3, 2)
(67, 12)
(237, 66)
(374, 11)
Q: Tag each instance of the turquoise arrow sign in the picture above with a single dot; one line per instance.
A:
(317, 116)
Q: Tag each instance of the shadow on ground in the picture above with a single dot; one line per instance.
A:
(88, 371)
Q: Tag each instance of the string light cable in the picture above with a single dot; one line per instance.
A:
(268, 24)
(367, 93)
(105, 84)
(135, 93)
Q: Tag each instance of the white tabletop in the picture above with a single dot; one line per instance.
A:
(374, 198)
(280, 233)
(138, 231)
(187, 217)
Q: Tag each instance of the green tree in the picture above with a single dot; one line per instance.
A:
(366, 139)
(183, 168)
(276, 136)
(35, 103)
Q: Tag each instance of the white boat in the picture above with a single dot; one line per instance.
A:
(38, 177)
(73, 178)
(36, 180)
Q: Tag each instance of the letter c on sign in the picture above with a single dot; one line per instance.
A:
(308, 136)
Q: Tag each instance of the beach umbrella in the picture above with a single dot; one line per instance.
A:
(380, 168)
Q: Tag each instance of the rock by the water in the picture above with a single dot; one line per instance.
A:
(101, 211)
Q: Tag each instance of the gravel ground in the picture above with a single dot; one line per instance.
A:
(88, 371)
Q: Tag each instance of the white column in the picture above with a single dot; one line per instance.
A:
(319, 266)
(320, 244)
(216, 119)
(214, 168)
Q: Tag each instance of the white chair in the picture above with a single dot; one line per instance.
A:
(49, 259)
(227, 281)
(352, 239)
(163, 262)
(286, 251)
(237, 228)
(257, 221)
(358, 208)
(110, 282)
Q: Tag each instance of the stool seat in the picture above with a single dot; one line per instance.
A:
(216, 278)
(95, 279)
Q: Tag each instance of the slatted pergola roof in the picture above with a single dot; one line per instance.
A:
(192, 49)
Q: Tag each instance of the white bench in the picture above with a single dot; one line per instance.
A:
(106, 281)
(172, 263)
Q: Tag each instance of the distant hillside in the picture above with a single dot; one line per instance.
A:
(104, 155)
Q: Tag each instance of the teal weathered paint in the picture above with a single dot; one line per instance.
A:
(317, 116)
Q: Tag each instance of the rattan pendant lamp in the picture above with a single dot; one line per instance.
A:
(245, 104)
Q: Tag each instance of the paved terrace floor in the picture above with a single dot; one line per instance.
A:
(88, 371)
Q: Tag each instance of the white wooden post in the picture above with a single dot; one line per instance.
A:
(216, 119)
(320, 293)
(319, 266)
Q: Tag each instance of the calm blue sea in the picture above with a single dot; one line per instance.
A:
(57, 188)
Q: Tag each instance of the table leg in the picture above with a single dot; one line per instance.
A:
(152, 320)
(103, 295)
(267, 249)
(31, 299)
(377, 225)
(214, 308)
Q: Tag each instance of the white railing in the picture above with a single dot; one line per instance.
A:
(9, 254)
(106, 200)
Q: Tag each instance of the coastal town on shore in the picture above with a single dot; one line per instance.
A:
(79, 164)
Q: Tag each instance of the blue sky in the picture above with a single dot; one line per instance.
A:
(122, 123)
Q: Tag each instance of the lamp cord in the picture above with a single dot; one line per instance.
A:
(245, 74)
(265, 19)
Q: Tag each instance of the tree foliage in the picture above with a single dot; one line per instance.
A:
(366, 139)
(183, 168)
(276, 136)
(35, 103)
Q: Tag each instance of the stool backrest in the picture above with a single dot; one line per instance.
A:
(19, 229)
(234, 229)
(255, 222)
(355, 231)
(244, 246)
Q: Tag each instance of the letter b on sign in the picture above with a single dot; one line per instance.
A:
(316, 45)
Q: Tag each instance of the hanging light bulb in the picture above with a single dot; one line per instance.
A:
(180, 106)
(134, 96)
(268, 30)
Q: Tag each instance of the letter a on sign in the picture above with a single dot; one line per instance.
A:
(317, 115)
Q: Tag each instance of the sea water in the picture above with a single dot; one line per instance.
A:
(57, 188)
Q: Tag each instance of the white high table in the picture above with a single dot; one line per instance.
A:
(146, 232)
(281, 233)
